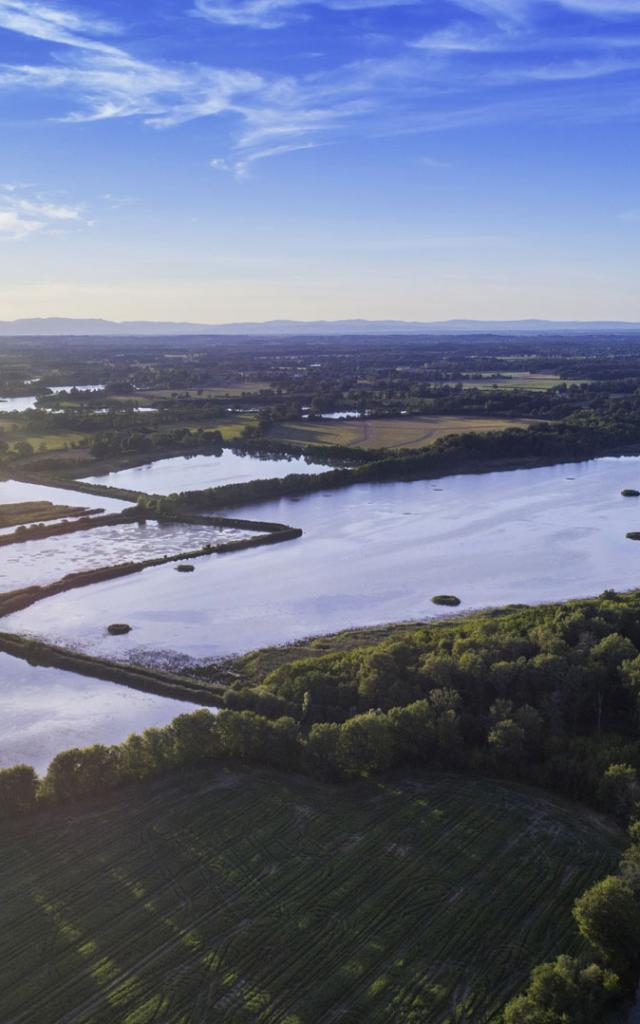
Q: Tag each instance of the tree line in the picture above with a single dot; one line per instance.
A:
(580, 436)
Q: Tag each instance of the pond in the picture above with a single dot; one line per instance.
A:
(46, 710)
(196, 472)
(59, 389)
(50, 558)
(18, 404)
(346, 414)
(25, 403)
(372, 553)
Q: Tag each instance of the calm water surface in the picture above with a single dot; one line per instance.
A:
(373, 553)
(17, 404)
(196, 472)
(46, 710)
(59, 389)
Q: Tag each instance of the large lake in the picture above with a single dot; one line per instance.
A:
(372, 553)
(45, 710)
(197, 472)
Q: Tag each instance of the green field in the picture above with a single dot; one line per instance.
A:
(16, 430)
(403, 432)
(229, 391)
(520, 381)
(248, 896)
(231, 428)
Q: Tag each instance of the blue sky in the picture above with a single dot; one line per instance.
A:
(219, 160)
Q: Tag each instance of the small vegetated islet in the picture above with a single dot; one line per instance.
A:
(118, 628)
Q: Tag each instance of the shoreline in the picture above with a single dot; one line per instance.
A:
(188, 671)
(241, 495)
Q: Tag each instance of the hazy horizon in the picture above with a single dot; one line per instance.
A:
(53, 327)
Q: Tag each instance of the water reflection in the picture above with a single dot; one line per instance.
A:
(196, 472)
(18, 404)
(46, 710)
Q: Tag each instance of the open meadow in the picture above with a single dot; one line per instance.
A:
(401, 432)
(519, 381)
(250, 896)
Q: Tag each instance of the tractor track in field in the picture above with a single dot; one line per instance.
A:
(254, 897)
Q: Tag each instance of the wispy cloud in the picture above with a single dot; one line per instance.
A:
(268, 14)
(241, 167)
(519, 10)
(431, 161)
(463, 38)
(564, 71)
(603, 8)
(117, 85)
(448, 77)
(55, 25)
(22, 216)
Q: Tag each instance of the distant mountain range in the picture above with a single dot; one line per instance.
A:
(62, 326)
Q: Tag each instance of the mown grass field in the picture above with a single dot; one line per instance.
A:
(403, 432)
(248, 896)
(520, 381)
(231, 427)
(15, 430)
(229, 391)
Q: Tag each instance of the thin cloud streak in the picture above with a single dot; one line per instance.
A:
(55, 25)
(241, 168)
(272, 14)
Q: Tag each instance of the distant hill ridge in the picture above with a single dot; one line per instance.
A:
(63, 326)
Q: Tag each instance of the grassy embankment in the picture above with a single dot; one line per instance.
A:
(21, 513)
(403, 432)
(250, 896)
